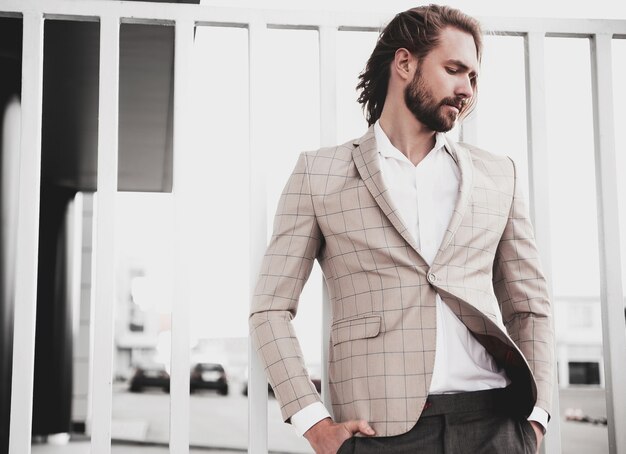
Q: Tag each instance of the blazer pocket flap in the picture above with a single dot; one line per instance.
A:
(356, 328)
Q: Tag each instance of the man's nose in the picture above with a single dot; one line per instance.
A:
(465, 89)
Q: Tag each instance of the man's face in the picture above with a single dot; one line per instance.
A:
(444, 81)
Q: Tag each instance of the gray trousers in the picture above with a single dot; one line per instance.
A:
(480, 422)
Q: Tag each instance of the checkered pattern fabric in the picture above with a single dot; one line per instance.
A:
(336, 209)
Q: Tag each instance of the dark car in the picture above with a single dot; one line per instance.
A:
(150, 376)
(209, 376)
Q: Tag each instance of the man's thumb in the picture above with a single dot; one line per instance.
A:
(359, 425)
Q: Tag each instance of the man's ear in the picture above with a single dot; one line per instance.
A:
(404, 64)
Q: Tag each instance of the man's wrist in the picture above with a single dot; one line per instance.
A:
(306, 418)
(311, 433)
(540, 416)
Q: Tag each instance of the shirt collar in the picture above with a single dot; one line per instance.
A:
(387, 150)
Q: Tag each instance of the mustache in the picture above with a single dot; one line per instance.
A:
(454, 101)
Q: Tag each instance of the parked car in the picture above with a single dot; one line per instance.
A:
(209, 376)
(150, 376)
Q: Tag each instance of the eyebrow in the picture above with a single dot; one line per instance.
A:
(463, 66)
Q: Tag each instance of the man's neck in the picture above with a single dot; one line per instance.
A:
(408, 135)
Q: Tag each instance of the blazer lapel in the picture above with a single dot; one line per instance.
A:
(463, 159)
(365, 155)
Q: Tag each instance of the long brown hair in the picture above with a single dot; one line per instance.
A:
(418, 31)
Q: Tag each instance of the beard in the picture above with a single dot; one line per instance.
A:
(422, 104)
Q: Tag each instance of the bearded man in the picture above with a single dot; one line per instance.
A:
(441, 335)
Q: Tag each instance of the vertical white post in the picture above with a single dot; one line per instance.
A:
(183, 160)
(469, 128)
(26, 258)
(613, 329)
(539, 201)
(328, 84)
(74, 253)
(104, 251)
(88, 300)
(328, 123)
(257, 383)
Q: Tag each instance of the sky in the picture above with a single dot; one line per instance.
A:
(217, 236)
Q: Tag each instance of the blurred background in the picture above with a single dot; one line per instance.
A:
(219, 233)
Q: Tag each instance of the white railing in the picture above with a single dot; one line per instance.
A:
(185, 17)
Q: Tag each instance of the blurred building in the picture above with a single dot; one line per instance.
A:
(578, 324)
(68, 180)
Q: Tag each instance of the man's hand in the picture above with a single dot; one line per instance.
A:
(538, 432)
(327, 436)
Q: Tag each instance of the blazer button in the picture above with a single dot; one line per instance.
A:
(431, 277)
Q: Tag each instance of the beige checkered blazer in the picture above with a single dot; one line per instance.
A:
(335, 208)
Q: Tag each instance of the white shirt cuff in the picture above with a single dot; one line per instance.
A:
(310, 415)
(541, 416)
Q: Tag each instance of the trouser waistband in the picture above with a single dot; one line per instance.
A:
(489, 399)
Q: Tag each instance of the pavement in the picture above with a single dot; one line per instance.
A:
(83, 447)
(578, 437)
(218, 425)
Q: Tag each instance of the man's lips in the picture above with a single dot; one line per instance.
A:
(456, 105)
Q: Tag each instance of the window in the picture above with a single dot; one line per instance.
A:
(584, 373)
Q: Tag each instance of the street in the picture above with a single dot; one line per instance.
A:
(215, 421)
(219, 423)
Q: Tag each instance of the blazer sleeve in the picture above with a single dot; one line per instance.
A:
(295, 243)
(522, 293)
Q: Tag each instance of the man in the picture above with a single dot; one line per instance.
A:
(441, 337)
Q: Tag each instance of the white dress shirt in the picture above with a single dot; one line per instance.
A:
(425, 196)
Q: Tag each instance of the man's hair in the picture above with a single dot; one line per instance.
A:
(417, 30)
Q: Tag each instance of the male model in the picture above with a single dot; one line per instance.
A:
(441, 337)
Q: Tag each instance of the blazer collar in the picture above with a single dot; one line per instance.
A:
(463, 159)
(365, 156)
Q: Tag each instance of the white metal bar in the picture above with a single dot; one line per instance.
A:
(326, 322)
(469, 128)
(328, 137)
(104, 246)
(328, 84)
(613, 330)
(538, 166)
(257, 382)
(183, 161)
(88, 253)
(73, 279)
(27, 237)
(362, 20)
